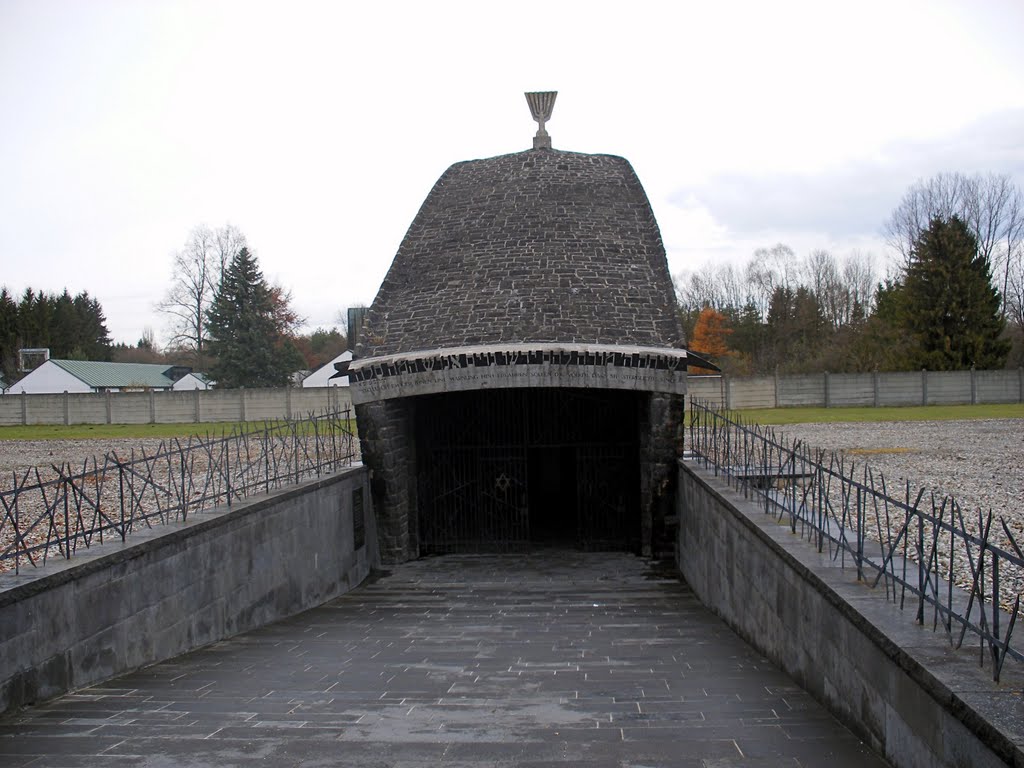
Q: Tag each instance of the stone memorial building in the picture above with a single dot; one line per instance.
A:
(519, 377)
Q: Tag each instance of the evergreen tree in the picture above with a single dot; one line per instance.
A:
(70, 327)
(245, 336)
(947, 301)
(796, 329)
(8, 336)
(747, 342)
(91, 339)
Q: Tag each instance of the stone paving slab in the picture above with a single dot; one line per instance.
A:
(543, 660)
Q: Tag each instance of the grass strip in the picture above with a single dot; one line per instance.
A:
(869, 414)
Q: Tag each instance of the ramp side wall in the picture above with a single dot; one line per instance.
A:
(894, 683)
(178, 587)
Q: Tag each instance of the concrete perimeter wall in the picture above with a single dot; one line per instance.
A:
(899, 686)
(834, 390)
(177, 587)
(195, 406)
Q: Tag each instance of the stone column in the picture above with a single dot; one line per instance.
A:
(661, 422)
(388, 445)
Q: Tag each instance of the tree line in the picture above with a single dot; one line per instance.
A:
(226, 319)
(954, 299)
(72, 327)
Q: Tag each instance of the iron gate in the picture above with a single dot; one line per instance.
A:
(503, 470)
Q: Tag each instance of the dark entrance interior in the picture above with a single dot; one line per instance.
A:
(506, 470)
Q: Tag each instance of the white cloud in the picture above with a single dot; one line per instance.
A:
(843, 207)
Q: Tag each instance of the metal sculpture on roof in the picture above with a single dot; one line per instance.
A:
(542, 103)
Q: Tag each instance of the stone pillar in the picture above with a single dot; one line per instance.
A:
(661, 423)
(924, 386)
(67, 414)
(388, 447)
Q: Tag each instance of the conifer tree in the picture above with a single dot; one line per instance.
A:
(947, 301)
(245, 337)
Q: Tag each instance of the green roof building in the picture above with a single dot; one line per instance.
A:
(56, 376)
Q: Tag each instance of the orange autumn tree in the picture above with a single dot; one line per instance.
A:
(709, 338)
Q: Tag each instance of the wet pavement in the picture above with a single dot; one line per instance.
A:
(536, 660)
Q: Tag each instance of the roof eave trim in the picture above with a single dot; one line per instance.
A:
(518, 349)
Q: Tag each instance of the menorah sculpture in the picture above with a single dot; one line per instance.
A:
(542, 103)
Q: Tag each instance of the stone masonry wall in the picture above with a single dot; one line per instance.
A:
(661, 435)
(388, 448)
(535, 246)
(898, 685)
(176, 587)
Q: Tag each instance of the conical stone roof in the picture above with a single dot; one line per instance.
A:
(536, 246)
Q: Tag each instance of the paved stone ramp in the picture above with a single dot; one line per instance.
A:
(549, 659)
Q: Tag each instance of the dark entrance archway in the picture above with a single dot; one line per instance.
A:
(506, 470)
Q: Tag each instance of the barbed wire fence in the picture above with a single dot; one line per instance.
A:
(960, 571)
(56, 511)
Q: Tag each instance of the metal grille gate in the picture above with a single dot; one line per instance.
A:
(500, 470)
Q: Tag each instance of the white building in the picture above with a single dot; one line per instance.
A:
(321, 377)
(56, 376)
(192, 381)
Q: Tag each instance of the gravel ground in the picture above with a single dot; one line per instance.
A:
(44, 513)
(18, 455)
(979, 462)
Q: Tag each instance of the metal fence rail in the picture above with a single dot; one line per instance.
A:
(55, 511)
(961, 572)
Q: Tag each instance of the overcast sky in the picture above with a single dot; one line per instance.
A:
(319, 128)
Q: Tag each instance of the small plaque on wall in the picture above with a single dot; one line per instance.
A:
(358, 519)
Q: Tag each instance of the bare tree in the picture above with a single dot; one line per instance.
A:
(939, 197)
(844, 288)
(195, 275)
(861, 280)
(991, 205)
(822, 277)
(721, 287)
(1011, 258)
(769, 270)
(699, 289)
(228, 240)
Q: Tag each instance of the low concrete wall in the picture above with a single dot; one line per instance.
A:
(195, 406)
(897, 685)
(177, 587)
(835, 390)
